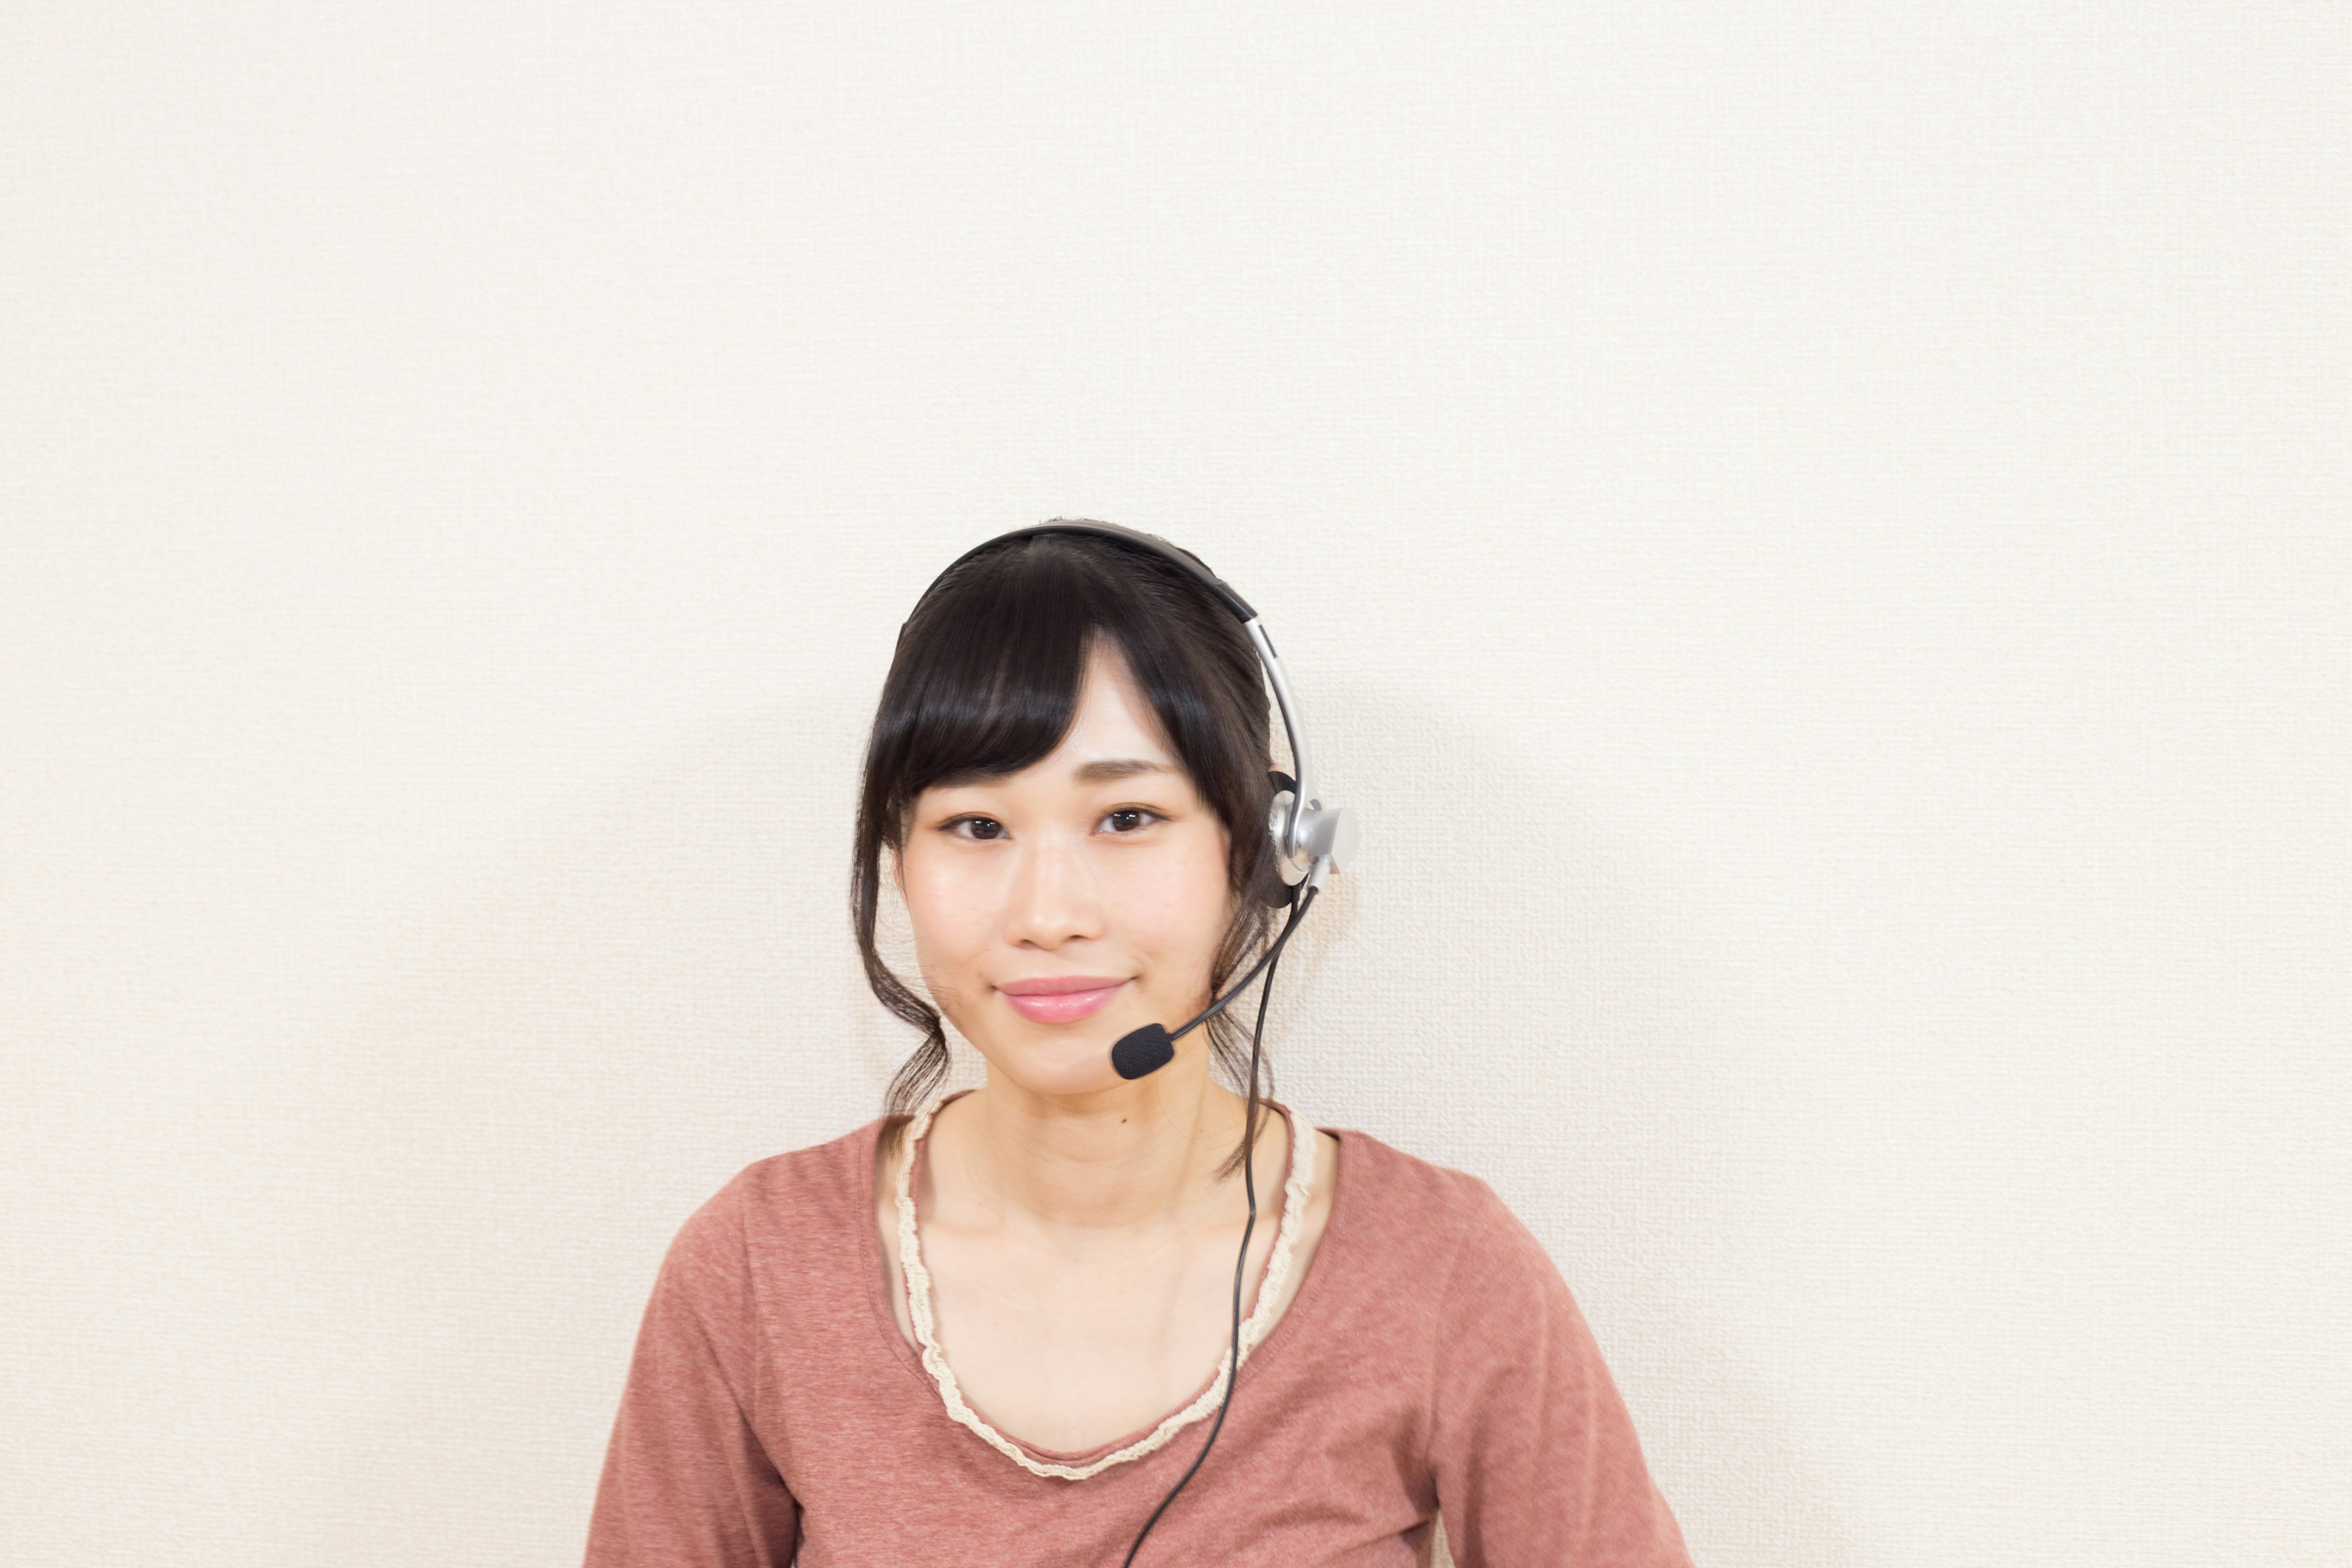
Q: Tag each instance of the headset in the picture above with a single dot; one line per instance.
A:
(1308, 840)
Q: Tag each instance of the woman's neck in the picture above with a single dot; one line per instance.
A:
(1138, 1156)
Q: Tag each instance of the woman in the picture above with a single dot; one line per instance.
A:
(1002, 1327)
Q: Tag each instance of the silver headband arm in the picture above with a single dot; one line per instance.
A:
(1301, 765)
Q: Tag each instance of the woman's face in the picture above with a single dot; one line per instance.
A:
(1058, 907)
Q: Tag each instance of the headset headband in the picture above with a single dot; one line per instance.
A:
(1192, 564)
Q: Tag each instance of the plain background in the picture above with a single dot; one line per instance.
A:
(1814, 536)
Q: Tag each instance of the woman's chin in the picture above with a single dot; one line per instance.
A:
(1058, 1062)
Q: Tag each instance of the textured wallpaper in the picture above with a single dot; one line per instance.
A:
(1817, 541)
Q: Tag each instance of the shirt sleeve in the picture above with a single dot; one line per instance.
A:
(1535, 1458)
(686, 1481)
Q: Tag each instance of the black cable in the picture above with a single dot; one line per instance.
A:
(1249, 1184)
(1266, 962)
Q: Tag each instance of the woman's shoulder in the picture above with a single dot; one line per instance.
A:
(1386, 1179)
(816, 1196)
(1389, 1200)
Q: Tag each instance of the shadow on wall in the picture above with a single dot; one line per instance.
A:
(1511, 985)
(649, 983)
(655, 984)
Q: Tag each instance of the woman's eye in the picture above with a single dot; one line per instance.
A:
(1129, 818)
(981, 828)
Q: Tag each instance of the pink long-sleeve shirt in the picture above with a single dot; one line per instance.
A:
(1432, 1360)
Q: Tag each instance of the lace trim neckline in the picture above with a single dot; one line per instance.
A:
(917, 1280)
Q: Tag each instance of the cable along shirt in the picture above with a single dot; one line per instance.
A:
(1433, 1360)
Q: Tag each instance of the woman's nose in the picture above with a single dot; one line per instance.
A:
(1055, 897)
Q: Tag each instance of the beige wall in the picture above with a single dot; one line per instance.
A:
(1815, 538)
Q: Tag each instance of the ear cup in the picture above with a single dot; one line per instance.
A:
(1272, 890)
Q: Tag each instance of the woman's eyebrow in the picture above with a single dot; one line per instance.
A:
(1119, 768)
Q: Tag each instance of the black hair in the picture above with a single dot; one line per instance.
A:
(986, 682)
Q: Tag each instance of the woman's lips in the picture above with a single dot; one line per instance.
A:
(1063, 999)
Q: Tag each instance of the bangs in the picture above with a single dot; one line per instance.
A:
(991, 665)
(987, 678)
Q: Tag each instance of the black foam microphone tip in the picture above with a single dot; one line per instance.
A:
(1143, 1051)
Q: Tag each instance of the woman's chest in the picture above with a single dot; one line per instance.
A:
(1067, 1344)
(1313, 1466)
(1064, 1350)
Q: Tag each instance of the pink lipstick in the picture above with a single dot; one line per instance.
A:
(1061, 998)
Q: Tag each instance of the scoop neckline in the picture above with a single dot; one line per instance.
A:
(876, 1290)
